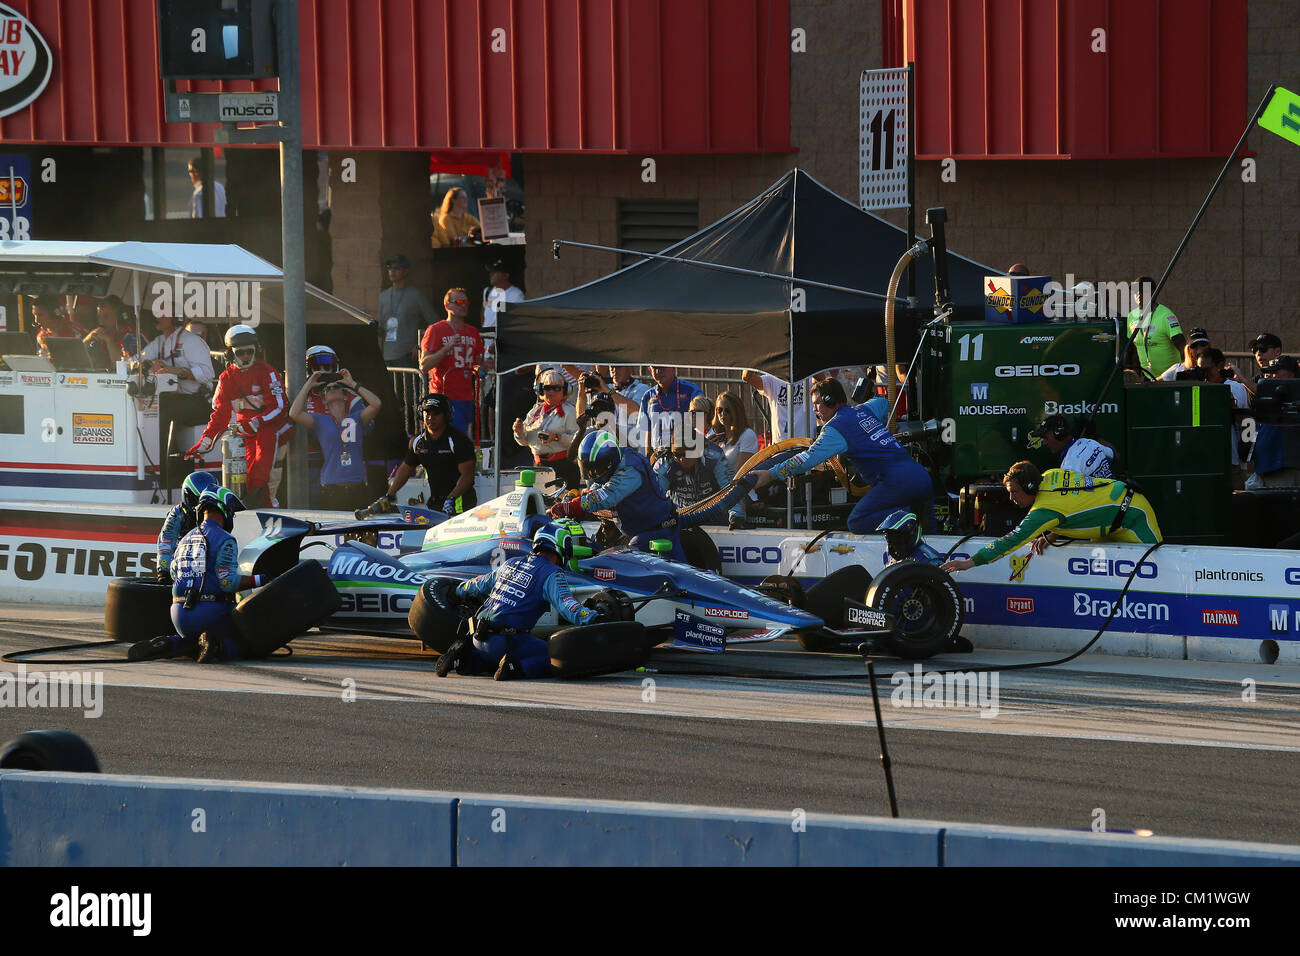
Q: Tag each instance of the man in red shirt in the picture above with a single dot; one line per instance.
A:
(50, 324)
(249, 400)
(451, 353)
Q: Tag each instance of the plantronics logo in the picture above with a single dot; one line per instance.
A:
(1221, 574)
(1035, 371)
(1085, 605)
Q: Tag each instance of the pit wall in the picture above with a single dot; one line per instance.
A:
(60, 819)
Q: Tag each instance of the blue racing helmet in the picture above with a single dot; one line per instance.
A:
(598, 456)
(902, 533)
(879, 406)
(194, 485)
(226, 501)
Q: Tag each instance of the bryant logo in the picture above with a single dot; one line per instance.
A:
(1020, 605)
(729, 612)
(605, 574)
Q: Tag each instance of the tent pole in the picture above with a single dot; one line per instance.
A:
(789, 417)
(496, 434)
(139, 457)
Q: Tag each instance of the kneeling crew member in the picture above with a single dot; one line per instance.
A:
(447, 455)
(622, 481)
(852, 430)
(1083, 456)
(180, 521)
(1067, 505)
(207, 578)
(518, 593)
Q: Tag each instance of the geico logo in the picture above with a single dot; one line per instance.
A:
(1078, 408)
(749, 555)
(375, 603)
(31, 561)
(1118, 568)
(1293, 575)
(1087, 606)
(1035, 371)
(511, 589)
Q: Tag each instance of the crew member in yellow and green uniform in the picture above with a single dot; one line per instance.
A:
(1068, 505)
(1160, 340)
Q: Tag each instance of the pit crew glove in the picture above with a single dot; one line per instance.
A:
(200, 447)
(164, 576)
(569, 508)
(736, 523)
(248, 428)
(449, 507)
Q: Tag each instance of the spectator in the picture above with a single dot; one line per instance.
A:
(1083, 456)
(452, 223)
(732, 432)
(51, 323)
(404, 314)
(1267, 348)
(196, 199)
(497, 294)
(104, 342)
(350, 413)
(1218, 373)
(696, 469)
(664, 407)
(451, 352)
(183, 354)
(1018, 269)
(200, 329)
(776, 392)
(1197, 342)
(447, 455)
(1274, 467)
(82, 312)
(1159, 338)
(550, 427)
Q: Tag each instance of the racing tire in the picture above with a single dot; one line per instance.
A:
(598, 649)
(826, 600)
(614, 605)
(49, 750)
(785, 588)
(137, 609)
(925, 602)
(290, 605)
(700, 550)
(433, 618)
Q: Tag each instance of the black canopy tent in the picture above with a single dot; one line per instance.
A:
(675, 313)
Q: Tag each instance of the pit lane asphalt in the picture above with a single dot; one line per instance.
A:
(1168, 746)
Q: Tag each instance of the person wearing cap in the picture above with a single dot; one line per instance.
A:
(404, 314)
(1157, 335)
(497, 294)
(1267, 348)
(550, 427)
(1198, 340)
(695, 469)
(1270, 455)
(1219, 372)
(350, 411)
(447, 455)
(451, 353)
(1083, 456)
(1063, 504)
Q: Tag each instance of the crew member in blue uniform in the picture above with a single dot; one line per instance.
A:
(903, 539)
(206, 577)
(180, 521)
(622, 481)
(518, 593)
(895, 479)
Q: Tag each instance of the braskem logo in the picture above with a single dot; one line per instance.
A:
(1085, 605)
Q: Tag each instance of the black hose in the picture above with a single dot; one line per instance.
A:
(20, 657)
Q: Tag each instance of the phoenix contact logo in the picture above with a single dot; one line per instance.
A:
(1085, 605)
(1020, 605)
(868, 618)
(1231, 618)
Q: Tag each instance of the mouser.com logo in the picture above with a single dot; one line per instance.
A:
(1035, 371)
(1087, 606)
(991, 410)
(979, 391)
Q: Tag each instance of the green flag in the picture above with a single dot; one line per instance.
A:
(1282, 116)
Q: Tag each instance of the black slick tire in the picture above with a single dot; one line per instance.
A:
(137, 609)
(432, 618)
(700, 550)
(925, 602)
(290, 605)
(597, 649)
(49, 750)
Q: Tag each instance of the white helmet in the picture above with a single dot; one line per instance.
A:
(239, 337)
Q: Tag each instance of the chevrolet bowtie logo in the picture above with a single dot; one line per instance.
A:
(842, 548)
(484, 513)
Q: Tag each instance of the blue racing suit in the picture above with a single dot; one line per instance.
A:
(178, 523)
(206, 560)
(641, 505)
(685, 486)
(518, 593)
(896, 480)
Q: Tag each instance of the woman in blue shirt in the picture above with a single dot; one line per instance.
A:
(349, 411)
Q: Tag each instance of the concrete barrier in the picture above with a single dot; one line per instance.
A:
(61, 819)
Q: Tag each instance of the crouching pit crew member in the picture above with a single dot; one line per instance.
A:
(1067, 505)
(1083, 456)
(853, 431)
(518, 593)
(447, 455)
(180, 520)
(207, 578)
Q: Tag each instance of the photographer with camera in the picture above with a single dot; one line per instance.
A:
(622, 391)
(350, 411)
(1219, 372)
(550, 427)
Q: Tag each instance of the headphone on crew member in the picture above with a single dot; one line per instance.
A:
(1021, 473)
(548, 376)
(1054, 425)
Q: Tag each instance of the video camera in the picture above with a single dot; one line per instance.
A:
(1277, 402)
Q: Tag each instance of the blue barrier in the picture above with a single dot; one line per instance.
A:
(62, 819)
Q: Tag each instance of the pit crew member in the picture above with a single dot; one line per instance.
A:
(1083, 456)
(696, 469)
(895, 479)
(251, 394)
(447, 455)
(517, 594)
(180, 521)
(207, 578)
(1067, 505)
(903, 539)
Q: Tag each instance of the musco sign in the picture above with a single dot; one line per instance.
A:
(25, 61)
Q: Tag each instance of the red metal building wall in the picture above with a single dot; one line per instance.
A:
(604, 76)
(1021, 79)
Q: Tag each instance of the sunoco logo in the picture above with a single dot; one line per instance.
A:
(1231, 617)
(1087, 606)
(1079, 408)
(1035, 371)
